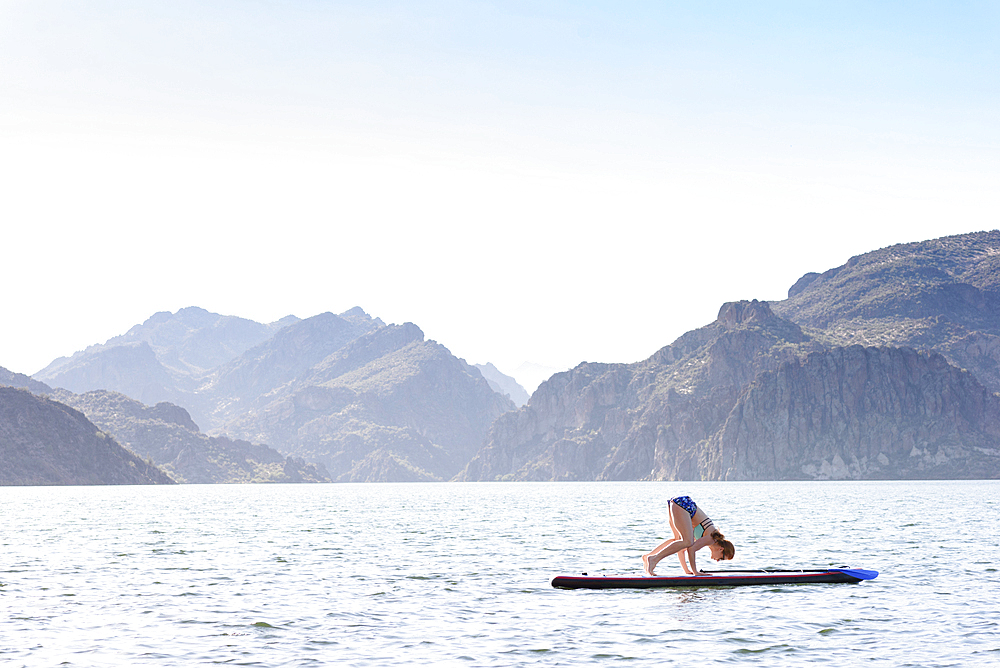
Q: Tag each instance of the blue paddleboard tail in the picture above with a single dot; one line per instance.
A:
(857, 573)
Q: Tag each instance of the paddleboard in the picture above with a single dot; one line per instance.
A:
(715, 579)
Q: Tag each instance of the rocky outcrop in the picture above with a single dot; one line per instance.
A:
(167, 435)
(941, 295)
(44, 442)
(644, 420)
(558, 434)
(751, 397)
(860, 413)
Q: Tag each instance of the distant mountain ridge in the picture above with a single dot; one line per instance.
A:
(165, 358)
(503, 384)
(22, 381)
(389, 405)
(189, 342)
(369, 401)
(239, 384)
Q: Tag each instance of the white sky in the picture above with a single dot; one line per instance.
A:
(543, 181)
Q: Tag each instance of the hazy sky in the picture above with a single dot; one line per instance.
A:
(543, 181)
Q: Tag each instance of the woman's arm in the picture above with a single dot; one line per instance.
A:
(695, 546)
(694, 566)
(684, 564)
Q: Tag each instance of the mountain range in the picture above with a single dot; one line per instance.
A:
(343, 397)
(885, 367)
(165, 358)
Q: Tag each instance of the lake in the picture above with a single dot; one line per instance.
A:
(458, 574)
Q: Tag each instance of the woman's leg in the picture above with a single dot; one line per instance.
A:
(681, 554)
(680, 524)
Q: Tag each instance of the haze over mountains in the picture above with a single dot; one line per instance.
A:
(354, 398)
(165, 358)
(885, 367)
(503, 384)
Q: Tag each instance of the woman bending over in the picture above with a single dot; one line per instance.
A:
(685, 515)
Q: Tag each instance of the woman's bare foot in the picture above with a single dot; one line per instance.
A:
(649, 564)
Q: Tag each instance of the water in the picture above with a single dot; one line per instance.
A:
(458, 574)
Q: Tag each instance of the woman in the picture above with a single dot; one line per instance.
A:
(685, 515)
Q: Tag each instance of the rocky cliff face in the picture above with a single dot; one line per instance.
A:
(787, 392)
(941, 295)
(643, 420)
(751, 397)
(43, 442)
(860, 413)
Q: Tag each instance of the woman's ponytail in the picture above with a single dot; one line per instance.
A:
(728, 549)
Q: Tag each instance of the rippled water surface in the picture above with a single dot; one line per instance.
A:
(386, 574)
